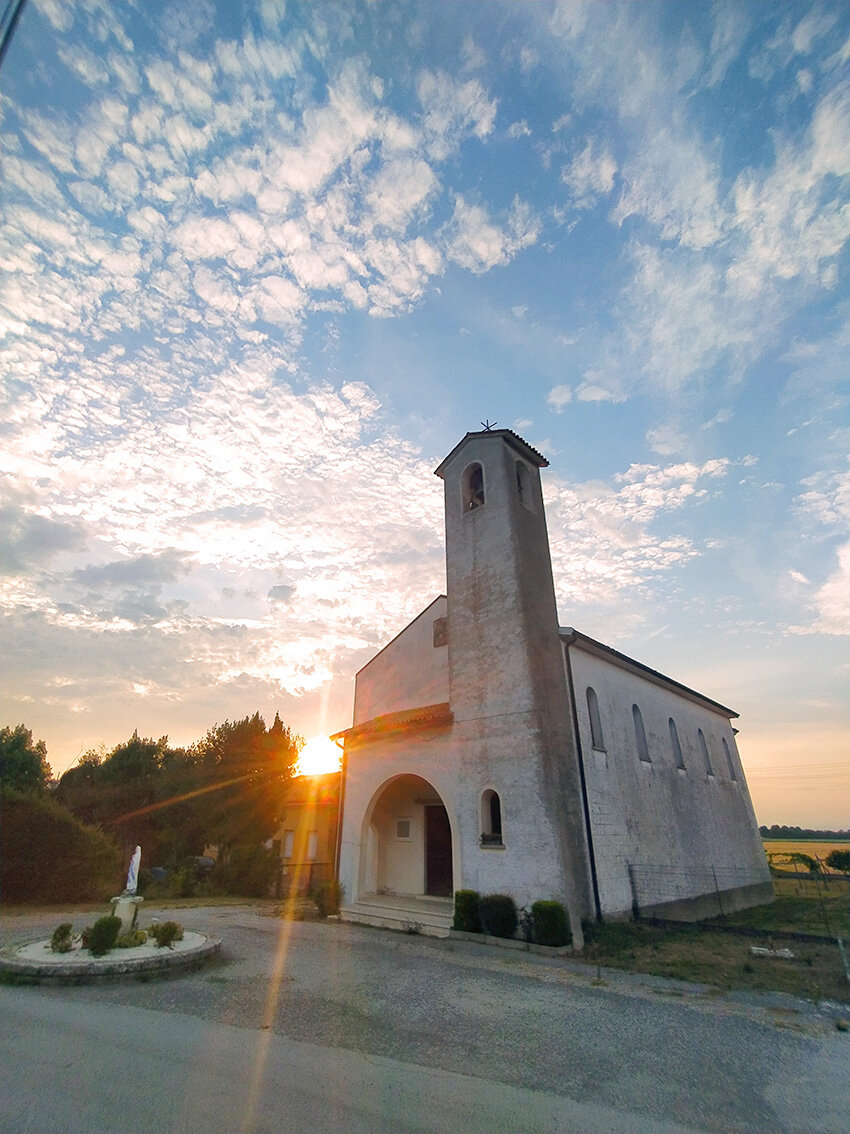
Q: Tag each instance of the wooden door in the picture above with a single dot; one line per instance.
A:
(438, 852)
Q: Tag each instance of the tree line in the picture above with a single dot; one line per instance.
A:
(226, 789)
(780, 832)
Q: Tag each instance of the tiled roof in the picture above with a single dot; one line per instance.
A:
(406, 720)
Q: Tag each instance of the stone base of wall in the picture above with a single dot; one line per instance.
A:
(511, 943)
(709, 905)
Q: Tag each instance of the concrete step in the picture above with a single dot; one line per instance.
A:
(430, 917)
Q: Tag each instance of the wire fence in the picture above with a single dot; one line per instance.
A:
(656, 884)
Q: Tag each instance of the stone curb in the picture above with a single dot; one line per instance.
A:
(511, 943)
(104, 968)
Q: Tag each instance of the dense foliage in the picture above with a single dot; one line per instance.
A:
(467, 917)
(498, 915)
(549, 924)
(103, 935)
(226, 790)
(23, 764)
(48, 855)
(779, 832)
(839, 860)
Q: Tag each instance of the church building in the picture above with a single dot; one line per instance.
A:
(494, 750)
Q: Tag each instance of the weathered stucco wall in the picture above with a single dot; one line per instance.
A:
(408, 672)
(459, 763)
(661, 833)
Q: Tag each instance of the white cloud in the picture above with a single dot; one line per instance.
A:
(477, 243)
(673, 183)
(452, 111)
(519, 129)
(731, 27)
(559, 396)
(667, 440)
(590, 175)
(399, 190)
(603, 540)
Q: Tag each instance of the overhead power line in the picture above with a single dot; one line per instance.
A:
(8, 23)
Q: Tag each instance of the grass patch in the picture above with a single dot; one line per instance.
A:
(802, 906)
(692, 953)
(720, 959)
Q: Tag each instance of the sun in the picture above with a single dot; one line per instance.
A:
(319, 755)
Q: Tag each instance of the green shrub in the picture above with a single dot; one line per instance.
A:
(498, 915)
(103, 935)
(132, 939)
(61, 940)
(74, 863)
(249, 872)
(327, 896)
(549, 924)
(165, 933)
(839, 860)
(467, 917)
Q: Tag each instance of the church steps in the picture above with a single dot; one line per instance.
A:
(432, 917)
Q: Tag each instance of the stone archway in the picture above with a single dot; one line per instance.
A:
(407, 841)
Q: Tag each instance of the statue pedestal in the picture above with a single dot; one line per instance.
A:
(127, 908)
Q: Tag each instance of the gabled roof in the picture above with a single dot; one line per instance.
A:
(395, 637)
(569, 636)
(509, 437)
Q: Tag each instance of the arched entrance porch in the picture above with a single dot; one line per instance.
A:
(407, 843)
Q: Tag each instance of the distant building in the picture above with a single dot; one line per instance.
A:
(306, 840)
(493, 750)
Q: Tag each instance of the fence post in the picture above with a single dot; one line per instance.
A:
(633, 885)
(717, 891)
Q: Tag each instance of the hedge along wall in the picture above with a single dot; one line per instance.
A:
(47, 855)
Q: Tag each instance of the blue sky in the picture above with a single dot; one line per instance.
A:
(264, 264)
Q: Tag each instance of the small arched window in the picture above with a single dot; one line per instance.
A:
(523, 486)
(675, 745)
(704, 750)
(596, 738)
(640, 735)
(733, 775)
(473, 488)
(491, 819)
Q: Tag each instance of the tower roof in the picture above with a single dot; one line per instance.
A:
(509, 437)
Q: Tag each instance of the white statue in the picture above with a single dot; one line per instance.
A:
(133, 872)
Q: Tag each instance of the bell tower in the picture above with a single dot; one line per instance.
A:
(508, 688)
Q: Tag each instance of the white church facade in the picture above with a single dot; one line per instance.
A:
(493, 750)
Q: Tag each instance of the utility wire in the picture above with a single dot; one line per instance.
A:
(8, 23)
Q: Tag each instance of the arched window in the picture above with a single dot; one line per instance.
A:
(705, 755)
(640, 736)
(675, 745)
(523, 486)
(595, 720)
(491, 819)
(733, 775)
(473, 488)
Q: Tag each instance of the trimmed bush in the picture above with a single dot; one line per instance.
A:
(47, 855)
(132, 939)
(549, 924)
(327, 896)
(61, 940)
(103, 935)
(165, 933)
(467, 917)
(498, 915)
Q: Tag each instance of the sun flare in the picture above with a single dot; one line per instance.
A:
(319, 755)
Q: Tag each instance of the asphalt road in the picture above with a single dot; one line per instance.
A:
(317, 1027)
